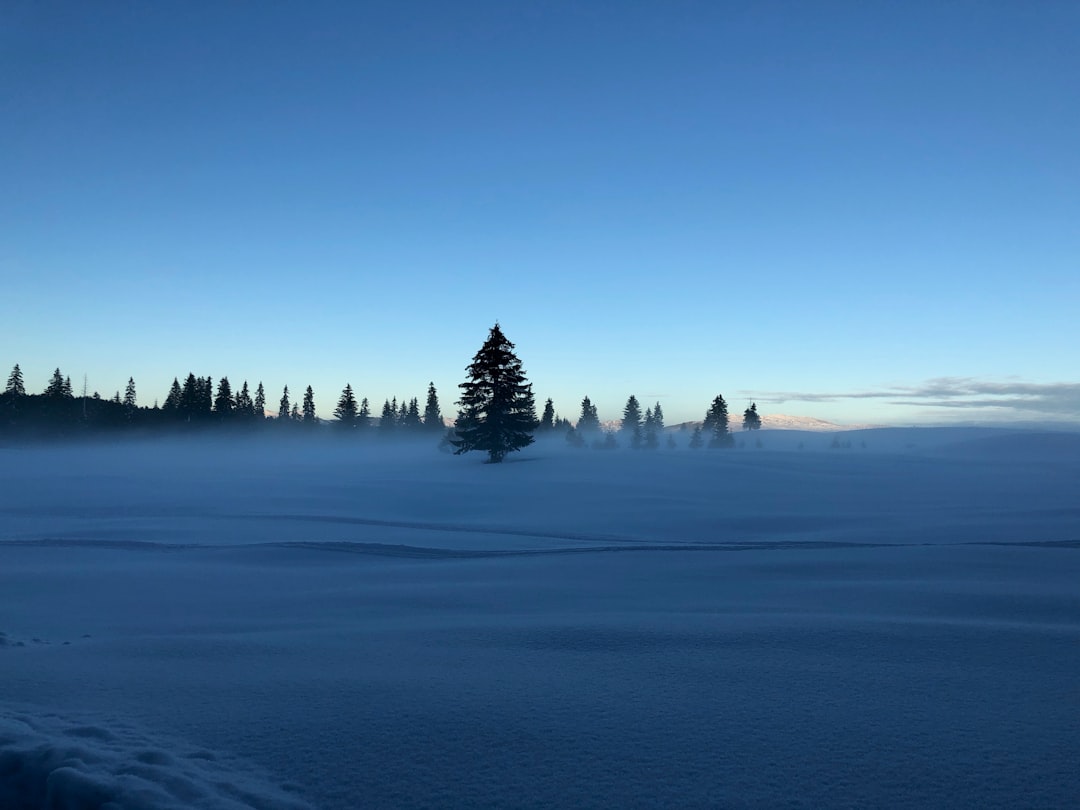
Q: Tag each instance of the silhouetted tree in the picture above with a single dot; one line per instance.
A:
(750, 418)
(631, 421)
(388, 418)
(259, 403)
(283, 405)
(589, 421)
(172, 401)
(243, 405)
(129, 399)
(223, 402)
(67, 392)
(411, 419)
(695, 438)
(497, 413)
(55, 388)
(363, 419)
(433, 420)
(715, 425)
(309, 407)
(346, 410)
(15, 386)
(547, 418)
(652, 441)
(658, 418)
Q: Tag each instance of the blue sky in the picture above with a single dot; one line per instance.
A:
(864, 212)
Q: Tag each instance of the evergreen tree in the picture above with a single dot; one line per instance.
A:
(547, 418)
(243, 406)
(223, 402)
(67, 392)
(388, 417)
(363, 419)
(631, 420)
(129, 399)
(15, 386)
(658, 418)
(433, 420)
(309, 407)
(403, 415)
(497, 413)
(695, 438)
(750, 418)
(189, 397)
(412, 419)
(652, 441)
(55, 388)
(715, 425)
(295, 415)
(173, 400)
(259, 403)
(283, 406)
(206, 396)
(589, 421)
(346, 410)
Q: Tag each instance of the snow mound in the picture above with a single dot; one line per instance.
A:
(52, 763)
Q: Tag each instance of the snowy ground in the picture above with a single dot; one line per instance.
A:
(287, 626)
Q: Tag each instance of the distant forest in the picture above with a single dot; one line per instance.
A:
(197, 404)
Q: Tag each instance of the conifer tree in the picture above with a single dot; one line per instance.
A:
(695, 438)
(649, 429)
(363, 419)
(223, 402)
(189, 397)
(631, 420)
(388, 417)
(547, 418)
(67, 392)
(15, 385)
(589, 421)
(433, 420)
(295, 415)
(259, 403)
(403, 415)
(55, 388)
(497, 413)
(750, 418)
(658, 418)
(129, 399)
(243, 406)
(309, 407)
(346, 410)
(175, 396)
(412, 419)
(715, 425)
(283, 406)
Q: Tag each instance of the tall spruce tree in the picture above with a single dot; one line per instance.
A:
(15, 385)
(715, 425)
(172, 401)
(346, 410)
(55, 388)
(244, 407)
(259, 403)
(412, 421)
(433, 420)
(751, 420)
(363, 419)
(547, 418)
(129, 399)
(388, 417)
(497, 413)
(631, 422)
(309, 408)
(283, 406)
(223, 402)
(589, 421)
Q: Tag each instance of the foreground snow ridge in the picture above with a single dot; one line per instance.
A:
(48, 762)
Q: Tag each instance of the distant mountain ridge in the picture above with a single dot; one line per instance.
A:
(780, 421)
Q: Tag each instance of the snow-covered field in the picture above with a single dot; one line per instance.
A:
(893, 622)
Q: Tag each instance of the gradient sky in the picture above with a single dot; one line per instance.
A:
(864, 212)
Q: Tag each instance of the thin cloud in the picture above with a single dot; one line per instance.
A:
(1062, 399)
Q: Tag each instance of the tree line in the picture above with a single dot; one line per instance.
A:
(496, 412)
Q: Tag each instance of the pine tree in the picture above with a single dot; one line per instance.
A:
(309, 407)
(658, 418)
(649, 429)
(129, 399)
(243, 405)
(631, 421)
(55, 388)
(189, 397)
(346, 410)
(750, 418)
(412, 420)
(15, 386)
(715, 425)
(433, 420)
(547, 418)
(388, 417)
(295, 415)
(403, 415)
(67, 391)
(283, 406)
(363, 419)
(497, 413)
(259, 402)
(223, 402)
(589, 421)
(172, 401)
(695, 438)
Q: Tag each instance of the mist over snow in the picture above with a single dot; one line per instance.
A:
(869, 618)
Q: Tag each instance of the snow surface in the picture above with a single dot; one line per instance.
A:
(892, 622)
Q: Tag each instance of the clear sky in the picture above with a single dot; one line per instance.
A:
(864, 212)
